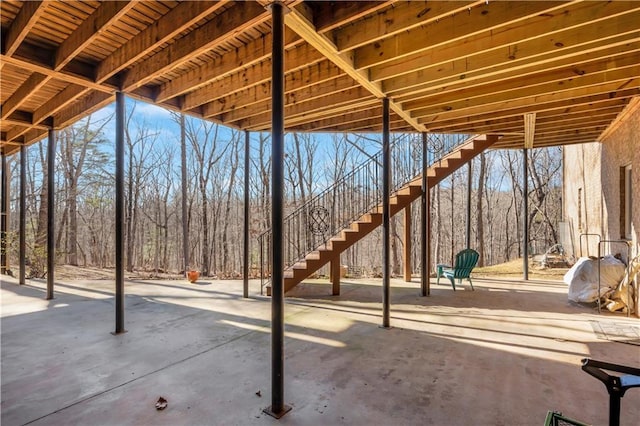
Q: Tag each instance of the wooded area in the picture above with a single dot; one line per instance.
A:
(84, 194)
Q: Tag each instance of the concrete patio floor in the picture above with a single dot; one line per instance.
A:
(503, 354)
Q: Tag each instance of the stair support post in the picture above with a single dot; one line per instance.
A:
(406, 247)
(334, 275)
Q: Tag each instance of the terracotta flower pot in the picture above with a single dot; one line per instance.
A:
(193, 276)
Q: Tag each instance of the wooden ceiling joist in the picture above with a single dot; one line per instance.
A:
(300, 24)
(452, 67)
(239, 17)
(23, 23)
(538, 37)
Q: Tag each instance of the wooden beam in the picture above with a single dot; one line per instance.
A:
(632, 107)
(218, 68)
(304, 107)
(555, 33)
(442, 122)
(34, 135)
(17, 132)
(484, 18)
(31, 85)
(329, 15)
(497, 64)
(27, 17)
(298, 90)
(58, 75)
(432, 80)
(403, 16)
(85, 106)
(90, 28)
(181, 17)
(300, 115)
(373, 114)
(223, 27)
(554, 137)
(18, 119)
(548, 119)
(260, 74)
(582, 75)
(58, 102)
(297, 21)
(567, 89)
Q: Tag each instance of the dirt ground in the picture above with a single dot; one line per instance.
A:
(512, 269)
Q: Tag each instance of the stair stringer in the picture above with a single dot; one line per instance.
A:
(371, 220)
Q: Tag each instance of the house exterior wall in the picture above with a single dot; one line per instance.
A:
(593, 190)
(592, 202)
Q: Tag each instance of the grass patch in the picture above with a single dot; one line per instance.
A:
(514, 268)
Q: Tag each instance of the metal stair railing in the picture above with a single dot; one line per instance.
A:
(310, 226)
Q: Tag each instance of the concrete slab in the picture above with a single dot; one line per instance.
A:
(502, 354)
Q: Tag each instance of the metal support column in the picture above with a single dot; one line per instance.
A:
(119, 206)
(245, 275)
(277, 408)
(469, 183)
(4, 211)
(23, 216)
(386, 191)
(525, 219)
(425, 222)
(51, 228)
(185, 218)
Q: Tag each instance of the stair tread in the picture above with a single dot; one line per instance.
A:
(409, 192)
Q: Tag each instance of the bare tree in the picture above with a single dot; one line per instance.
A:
(203, 138)
(139, 139)
(479, 209)
(75, 142)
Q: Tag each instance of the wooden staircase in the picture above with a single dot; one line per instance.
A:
(371, 220)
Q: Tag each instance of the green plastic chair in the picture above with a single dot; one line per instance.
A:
(466, 260)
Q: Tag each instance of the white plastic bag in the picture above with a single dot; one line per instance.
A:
(582, 278)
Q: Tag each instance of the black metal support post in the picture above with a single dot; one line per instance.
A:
(424, 213)
(469, 182)
(245, 284)
(386, 192)
(4, 198)
(277, 408)
(119, 205)
(23, 216)
(51, 222)
(185, 219)
(525, 219)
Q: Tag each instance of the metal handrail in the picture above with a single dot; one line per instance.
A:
(588, 235)
(312, 224)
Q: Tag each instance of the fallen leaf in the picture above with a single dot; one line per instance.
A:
(161, 404)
